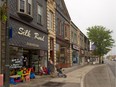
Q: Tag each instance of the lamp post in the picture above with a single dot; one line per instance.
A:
(7, 71)
(5, 6)
(1, 4)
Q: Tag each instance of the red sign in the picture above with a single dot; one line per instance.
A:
(75, 47)
(1, 79)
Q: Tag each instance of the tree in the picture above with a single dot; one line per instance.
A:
(3, 12)
(102, 40)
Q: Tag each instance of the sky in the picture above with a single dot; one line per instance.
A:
(87, 13)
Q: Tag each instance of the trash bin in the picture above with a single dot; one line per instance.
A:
(102, 62)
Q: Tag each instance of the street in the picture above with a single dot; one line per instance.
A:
(87, 76)
(112, 65)
(102, 76)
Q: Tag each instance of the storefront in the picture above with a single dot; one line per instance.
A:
(75, 56)
(62, 54)
(81, 57)
(28, 47)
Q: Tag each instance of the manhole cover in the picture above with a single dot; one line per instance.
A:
(53, 84)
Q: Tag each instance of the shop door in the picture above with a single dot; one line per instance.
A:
(35, 63)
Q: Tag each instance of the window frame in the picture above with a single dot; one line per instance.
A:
(25, 7)
(66, 31)
(40, 14)
(59, 27)
(29, 2)
(51, 20)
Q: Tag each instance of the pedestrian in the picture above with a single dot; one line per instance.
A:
(51, 67)
(88, 60)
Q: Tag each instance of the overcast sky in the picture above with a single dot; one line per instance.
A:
(87, 13)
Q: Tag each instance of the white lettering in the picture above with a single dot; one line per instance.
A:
(32, 44)
(27, 33)
(38, 37)
(24, 32)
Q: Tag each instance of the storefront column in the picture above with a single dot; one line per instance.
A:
(71, 62)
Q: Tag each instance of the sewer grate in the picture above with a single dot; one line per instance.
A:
(53, 84)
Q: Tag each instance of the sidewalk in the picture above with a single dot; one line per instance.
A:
(74, 78)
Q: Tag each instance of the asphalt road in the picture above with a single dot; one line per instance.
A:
(112, 65)
(100, 77)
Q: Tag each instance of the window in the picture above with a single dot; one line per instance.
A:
(22, 5)
(39, 14)
(72, 36)
(51, 44)
(59, 26)
(50, 20)
(66, 30)
(29, 7)
(75, 38)
(25, 6)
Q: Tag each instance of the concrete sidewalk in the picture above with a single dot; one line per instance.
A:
(74, 78)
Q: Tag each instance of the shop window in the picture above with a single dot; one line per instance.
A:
(39, 14)
(62, 55)
(57, 52)
(25, 7)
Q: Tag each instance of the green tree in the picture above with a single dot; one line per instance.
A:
(102, 40)
(3, 13)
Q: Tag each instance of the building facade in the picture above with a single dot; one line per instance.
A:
(29, 42)
(74, 43)
(51, 6)
(84, 49)
(42, 29)
(82, 57)
(62, 34)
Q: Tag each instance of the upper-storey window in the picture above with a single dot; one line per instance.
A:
(22, 5)
(50, 22)
(39, 14)
(66, 31)
(59, 26)
(29, 7)
(25, 6)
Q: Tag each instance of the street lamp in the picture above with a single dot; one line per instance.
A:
(1, 4)
(4, 4)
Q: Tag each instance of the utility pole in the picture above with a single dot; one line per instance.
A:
(7, 71)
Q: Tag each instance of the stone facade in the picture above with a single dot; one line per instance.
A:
(63, 51)
(51, 6)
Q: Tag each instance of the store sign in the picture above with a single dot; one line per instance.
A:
(75, 47)
(28, 33)
(32, 44)
(16, 63)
